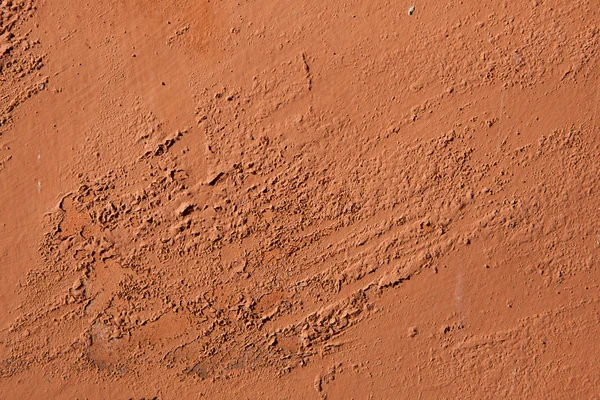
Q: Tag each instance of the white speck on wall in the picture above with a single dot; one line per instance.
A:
(39, 155)
(39, 186)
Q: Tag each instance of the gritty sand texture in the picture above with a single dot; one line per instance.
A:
(299, 199)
